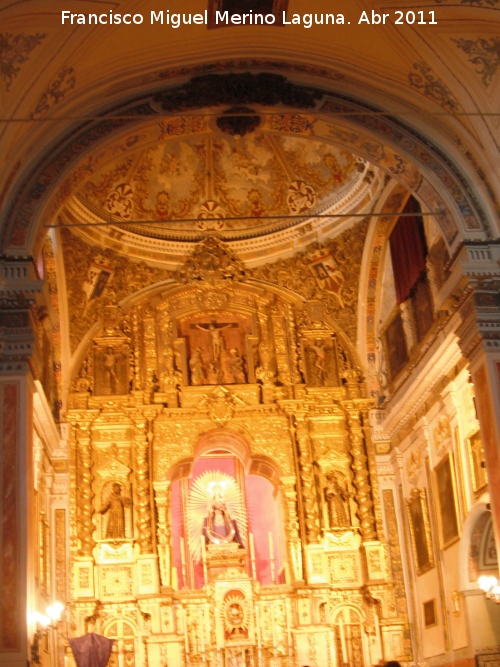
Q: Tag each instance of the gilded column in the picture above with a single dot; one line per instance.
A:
(137, 352)
(264, 372)
(361, 474)
(365, 408)
(293, 529)
(162, 495)
(307, 481)
(149, 347)
(84, 489)
(73, 500)
(280, 346)
(295, 375)
(142, 477)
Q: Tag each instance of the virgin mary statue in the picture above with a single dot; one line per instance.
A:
(218, 526)
(216, 512)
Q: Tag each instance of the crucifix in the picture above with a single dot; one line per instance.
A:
(215, 330)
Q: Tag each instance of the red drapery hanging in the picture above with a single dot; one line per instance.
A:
(408, 250)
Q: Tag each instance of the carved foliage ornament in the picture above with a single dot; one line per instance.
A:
(210, 263)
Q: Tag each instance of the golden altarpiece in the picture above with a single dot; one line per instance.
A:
(223, 500)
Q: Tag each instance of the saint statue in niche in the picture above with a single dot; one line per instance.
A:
(337, 499)
(214, 374)
(218, 526)
(196, 367)
(236, 367)
(115, 509)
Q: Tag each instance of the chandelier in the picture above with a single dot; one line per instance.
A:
(490, 587)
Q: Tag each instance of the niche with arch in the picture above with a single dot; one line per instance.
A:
(249, 489)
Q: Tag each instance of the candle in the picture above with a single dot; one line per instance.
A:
(342, 639)
(271, 556)
(186, 637)
(183, 553)
(288, 624)
(202, 630)
(252, 555)
(204, 558)
(183, 564)
(216, 632)
(257, 620)
(274, 624)
(379, 637)
(207, 623)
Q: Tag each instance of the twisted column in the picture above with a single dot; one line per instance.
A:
(84, 490)
(293, 528)
(361, 474)
(143, 499)
(307, 480)
(162, 490)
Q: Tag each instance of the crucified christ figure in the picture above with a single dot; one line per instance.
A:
(320, 349)
(216, 336)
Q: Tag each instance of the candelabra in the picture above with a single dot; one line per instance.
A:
(44, 623)
(490, 587)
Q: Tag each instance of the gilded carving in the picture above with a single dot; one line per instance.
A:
(15, 50)
(143, 439)
(361, 474)
(85, 492)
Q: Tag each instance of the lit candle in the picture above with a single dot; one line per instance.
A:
(252, 555)
(342, 639)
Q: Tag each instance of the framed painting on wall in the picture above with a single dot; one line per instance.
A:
(429, 613)
(477, 463)
(420, 531)
(449, 525)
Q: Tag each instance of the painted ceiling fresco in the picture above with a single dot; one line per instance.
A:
(170, 183)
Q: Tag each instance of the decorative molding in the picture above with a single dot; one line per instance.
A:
(57, 90)
(423, 79)
(485, 54)
(14, 51)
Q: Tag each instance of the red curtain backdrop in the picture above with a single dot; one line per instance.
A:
(408, 250)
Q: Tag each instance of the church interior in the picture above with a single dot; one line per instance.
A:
(250, 335)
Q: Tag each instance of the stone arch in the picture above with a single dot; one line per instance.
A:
(471, 544)
(410, 158)
(236, 443)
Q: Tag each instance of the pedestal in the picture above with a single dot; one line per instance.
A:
(225, 560)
